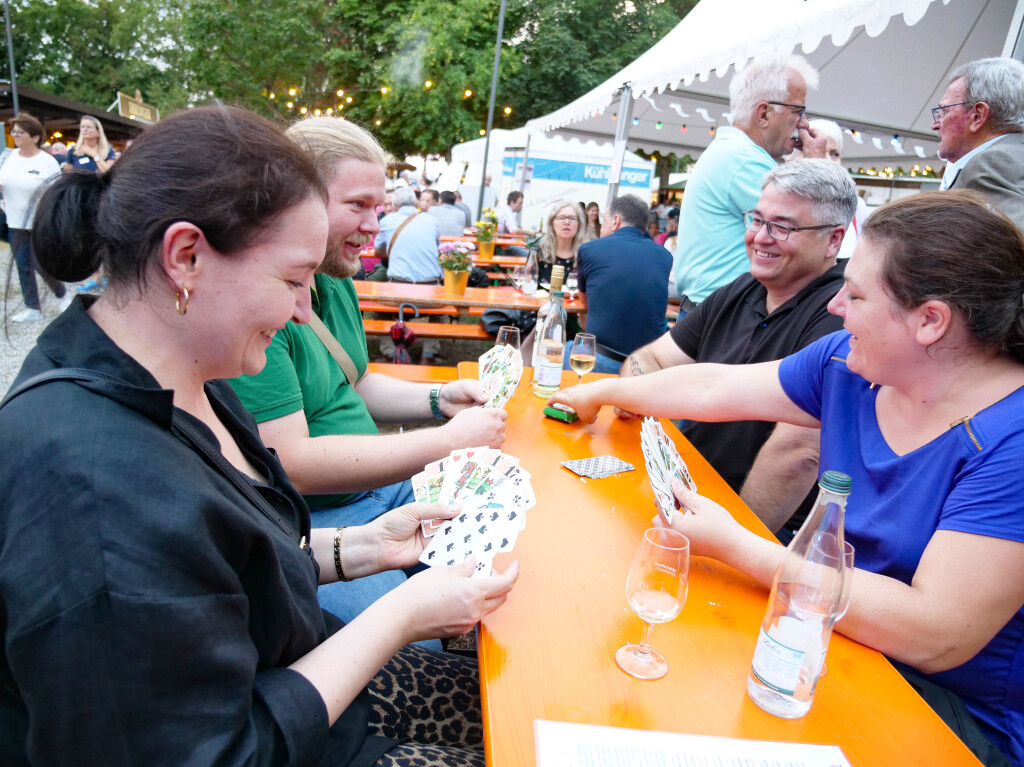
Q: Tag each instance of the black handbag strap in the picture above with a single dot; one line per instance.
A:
(203, 445)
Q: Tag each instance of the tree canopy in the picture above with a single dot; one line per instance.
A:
(417, 73)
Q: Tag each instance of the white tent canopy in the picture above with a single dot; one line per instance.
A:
(880, 75)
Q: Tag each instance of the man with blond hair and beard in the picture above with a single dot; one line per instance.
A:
(321, 422)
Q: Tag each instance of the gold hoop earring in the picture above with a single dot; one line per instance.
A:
(182, 308)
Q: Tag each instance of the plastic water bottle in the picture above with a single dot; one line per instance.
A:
(549, 343)
(802, 607)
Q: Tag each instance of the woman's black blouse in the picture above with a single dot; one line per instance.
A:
(149, 610)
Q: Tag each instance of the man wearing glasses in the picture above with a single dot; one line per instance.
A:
(767, 101)
(980, 119)
(792, 236)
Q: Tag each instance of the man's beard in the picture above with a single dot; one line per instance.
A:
(335, 264)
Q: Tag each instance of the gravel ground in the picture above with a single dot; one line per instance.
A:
(18, 338)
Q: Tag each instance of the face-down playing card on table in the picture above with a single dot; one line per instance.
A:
(663, 464)
(501, 368)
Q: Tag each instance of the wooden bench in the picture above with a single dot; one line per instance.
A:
(418, 373)
(377, 306)
(451, 330)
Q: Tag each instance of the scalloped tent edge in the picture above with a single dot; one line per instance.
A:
(879, 74)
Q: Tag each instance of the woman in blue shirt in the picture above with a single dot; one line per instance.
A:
(921, 400)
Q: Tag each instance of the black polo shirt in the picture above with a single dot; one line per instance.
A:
(732, 326)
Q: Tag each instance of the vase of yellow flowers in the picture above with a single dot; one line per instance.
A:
(456, 263)
(485, 230)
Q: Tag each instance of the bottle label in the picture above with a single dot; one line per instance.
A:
(777, 665)
(547, 375)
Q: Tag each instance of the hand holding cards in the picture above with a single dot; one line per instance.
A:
(494, 493)
(663, 464)
(501, 367)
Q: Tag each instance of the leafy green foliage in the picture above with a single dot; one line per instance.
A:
(191, 51)
(87, 51)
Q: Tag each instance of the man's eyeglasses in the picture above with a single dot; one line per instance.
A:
(798, 109)
(777, 231)
(16, 133)
(938, 111)
(565, 219)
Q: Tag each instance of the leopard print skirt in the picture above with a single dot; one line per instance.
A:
(431, 699)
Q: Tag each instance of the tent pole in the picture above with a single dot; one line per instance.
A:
(526, 160)
(1014, 46)
(10, 53)
(490, 109)
(625, 120)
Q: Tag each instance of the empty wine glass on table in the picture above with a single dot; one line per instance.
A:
(844, 595)
(583, 355)
(655, 591)
(531, 274)
(508, 335)
(519, 277)
(571, 282)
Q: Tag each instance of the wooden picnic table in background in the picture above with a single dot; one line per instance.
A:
(499, 240)
(424, 296)
(547, 653)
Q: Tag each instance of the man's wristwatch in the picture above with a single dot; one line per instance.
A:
(435, 407)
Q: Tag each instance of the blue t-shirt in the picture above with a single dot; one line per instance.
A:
(968, 479)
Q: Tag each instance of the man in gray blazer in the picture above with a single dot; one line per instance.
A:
(980, 120)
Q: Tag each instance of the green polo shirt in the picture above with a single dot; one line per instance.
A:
(302, 375)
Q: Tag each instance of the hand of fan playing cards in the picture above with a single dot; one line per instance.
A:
(494, 493)
(501, 367)
(663, 464)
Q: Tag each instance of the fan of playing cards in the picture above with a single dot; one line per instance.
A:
(663, 463)
(494, 493)
(501, 367)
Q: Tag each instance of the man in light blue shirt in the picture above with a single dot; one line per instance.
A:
(407, 244)
(767, 102)
(450, 220)
(411, 256)
(980, 120)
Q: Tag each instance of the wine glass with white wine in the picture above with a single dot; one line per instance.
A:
(583, 355)
(656, 591)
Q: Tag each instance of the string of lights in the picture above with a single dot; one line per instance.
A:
(292, 100)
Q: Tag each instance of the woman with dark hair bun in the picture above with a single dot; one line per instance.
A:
(158, 573)
(920, 399)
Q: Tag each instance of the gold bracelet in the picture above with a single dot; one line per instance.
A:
(337, 555)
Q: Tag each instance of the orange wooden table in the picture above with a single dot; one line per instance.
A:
(503, 261)
(501, 240)
(434, 295)
(547, 652)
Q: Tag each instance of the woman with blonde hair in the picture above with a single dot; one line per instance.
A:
(563, 235)
(93, 151)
